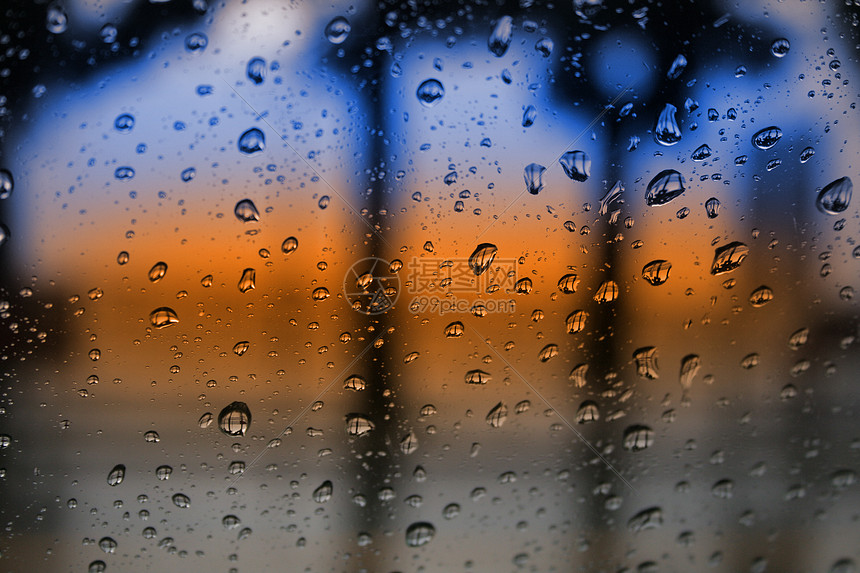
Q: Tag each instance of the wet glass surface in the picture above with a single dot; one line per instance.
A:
(437, 287)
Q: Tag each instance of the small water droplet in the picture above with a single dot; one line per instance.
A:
(712, 207)
(646, 362)
(651, 518)
(123, 173)
(124, 122)
(356, 383)
(575, 321)
(500, 38)
(835, 197)
(430, 92)
(588, 412)
(761, 296)
(767, 137)
(256, 70)
(701, 153)
(806, 154)
(638, 437)
(188, 174)
(163, 317)
(196, 42)
(477, 377)
(547, 352)
(607, 292)
(568, 283)
(252, 141)
(358, 425)
(122, 258)
(411, 357)
(533, 175)
(454, 330)
(544, 47)
(798, 338)
(497, 415)
(234, 419)
(151, 437)
(409, 443)
(289, 245)
(97, 567)
(337, 30)
(56, 20)
(246, 211)
(529, 116)
(451, 511)
(241, 347)
(420, 533)
(677, 67)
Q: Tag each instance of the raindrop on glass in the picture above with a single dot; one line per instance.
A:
(500, 38)
(533, 174)
(163, 317)
(767, 137)
(246, 211)
(116, 475)
(835, 197)
(664, 187)
(482, 257)
(656, 272)
(256, 70)
(337, 30)
(234, 419)
(252, 141)
(667, 132)
(430, 92)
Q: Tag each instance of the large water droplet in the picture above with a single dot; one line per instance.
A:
(181, 500)
(252, 141)
(664, 187)
(124, 173)
(798, 338)
(568, 283)
(97, 567)
(323, 493)
(638, 438)
(529, 116)
(712, 207)
(835, 197)
(667, 132)
(767, 137)
(356, 383)
(677, 67)
(477, 377)
(56, 20)
(116, 475)
(576, 165)
(289, 245)
(157, 272)
(7, 184)
(651, 518)
(547, 352)
(575, 321)
(482, 257)
(500, 38)
(107, 544)
(256, 70)
(607, 292)
(587, 412)
(337, 30)
(454, 330)
(761, 296)
(533, 175)
(246, 211)
(577, 375)
(409, 443)
(430, 92)
(701, 153)
(729, 257)
(420, 533)
(656, 272)
(646, 362)
(497, 415)
(780, 47)
(163, 472)
(163, 317)
(248, 280)
(234, 419)
(358, 425)
(241, 347)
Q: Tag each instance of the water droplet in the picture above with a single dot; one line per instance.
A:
(500, 38)
(701, 153)
(230, 521)
(188, 174)
(430, 92)
(677, 67)
(356, 383)
(241, 347)
(638, 438)
(454, 330)
(163, 317)
(651, 518)
(252, 141)
(482, 257)
(656, 272)
(428, 410)
(577, 375)
(798, 338)
(411, 357)
(667, 132)
(123, 173)
(761, 296)
(205, 420)
(116, 475)
(234, 419)
(607, 292)
(835, 197)
(152, 437)
(523, 286)
(664, 187)
(806, 154)
(646, 362)
(533, 174)
(97, 567)
(56, 20)
(575, 321)
(477, 377)
(206, 281)
(547, 352)
(723, 489)
(544, 47)
(163, 472)
(497, 415)
(358, 425)
(124, 122)
(337, 30)
(320, 294)
(122, 258)
(324, 201)
(95, 354)
(409, 443)
(256, 70)
(246, 211)
(729, 257)
(196, 42)
(712, 207)
(529, 116)
(844, 566)
(588, 412)
(780, 47)
(611, 202)
(181, 500)
(157, 272)
(568, 283)
(289, 245)
(248, 280)
(767, 137)
(690, 366)
(419, 534)
(323, 493)
(451, 511)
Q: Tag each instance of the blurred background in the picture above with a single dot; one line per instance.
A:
(614, 244)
